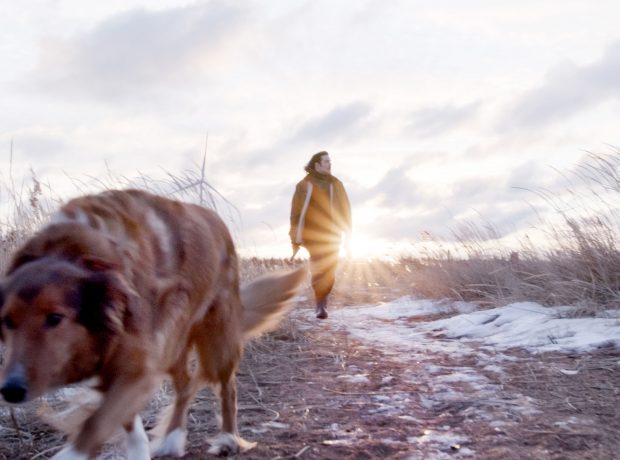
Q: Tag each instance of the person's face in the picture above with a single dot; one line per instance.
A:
(324, 166)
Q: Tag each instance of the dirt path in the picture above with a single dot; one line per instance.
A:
(327, 395)
(313, 391)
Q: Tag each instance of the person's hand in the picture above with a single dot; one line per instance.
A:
(295, 250)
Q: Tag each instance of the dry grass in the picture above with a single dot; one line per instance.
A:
(284, 374)
(577, 262)
(289, 377)
(27, 208)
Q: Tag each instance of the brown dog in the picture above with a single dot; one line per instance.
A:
(123, 286)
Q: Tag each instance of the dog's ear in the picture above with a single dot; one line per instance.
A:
(97, 264)
(1, 305)
(105, 302)
(19, 259)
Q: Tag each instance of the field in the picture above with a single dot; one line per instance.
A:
(301, 394)
(314, 390)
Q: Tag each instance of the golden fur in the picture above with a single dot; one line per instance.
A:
(123, 286)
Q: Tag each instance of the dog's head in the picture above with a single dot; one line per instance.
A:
(56, 320)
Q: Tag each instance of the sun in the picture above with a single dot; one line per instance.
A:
(365, 247)
(365, 244)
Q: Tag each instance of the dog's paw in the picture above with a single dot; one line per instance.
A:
(173, 444)
(69, 453)
(138, 442)
(229, 444)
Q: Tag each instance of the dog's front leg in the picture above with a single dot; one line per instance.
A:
(137, 441)
(69, 453)
(228, 442)
(120, 404)
(137, 445)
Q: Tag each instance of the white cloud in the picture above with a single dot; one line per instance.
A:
(567, 90)
(430, 121)
(339, 124)
(131, 52)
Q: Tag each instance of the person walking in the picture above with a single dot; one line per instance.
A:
(320, 214)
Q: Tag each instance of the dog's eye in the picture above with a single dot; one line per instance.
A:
(53, 319)
(8, 322)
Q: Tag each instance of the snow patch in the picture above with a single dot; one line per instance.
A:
(531, 326)
(523, 324)
(360, 378)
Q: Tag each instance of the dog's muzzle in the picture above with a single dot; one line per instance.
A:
(15, 387)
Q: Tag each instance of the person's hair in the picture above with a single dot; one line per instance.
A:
(316, 158)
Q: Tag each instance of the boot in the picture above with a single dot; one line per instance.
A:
(321, 309)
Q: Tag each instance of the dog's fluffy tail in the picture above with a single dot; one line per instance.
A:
(268, 298)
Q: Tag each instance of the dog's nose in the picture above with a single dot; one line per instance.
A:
(14, 390)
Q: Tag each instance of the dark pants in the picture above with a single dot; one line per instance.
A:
(323, 264)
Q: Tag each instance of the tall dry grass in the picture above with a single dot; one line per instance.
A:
(577, 262)
(27, 205)
(25, 208)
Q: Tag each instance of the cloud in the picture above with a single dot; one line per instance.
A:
(406, 209)
(397, 189)
(532, 175)
(339, 123)
(29, 145)
(394, 226)
(333, 128)
(503, 216)
(429, 121)
(471, 191)
(136, 50)
(566, 91)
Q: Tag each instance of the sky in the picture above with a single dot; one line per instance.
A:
(434, 113)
